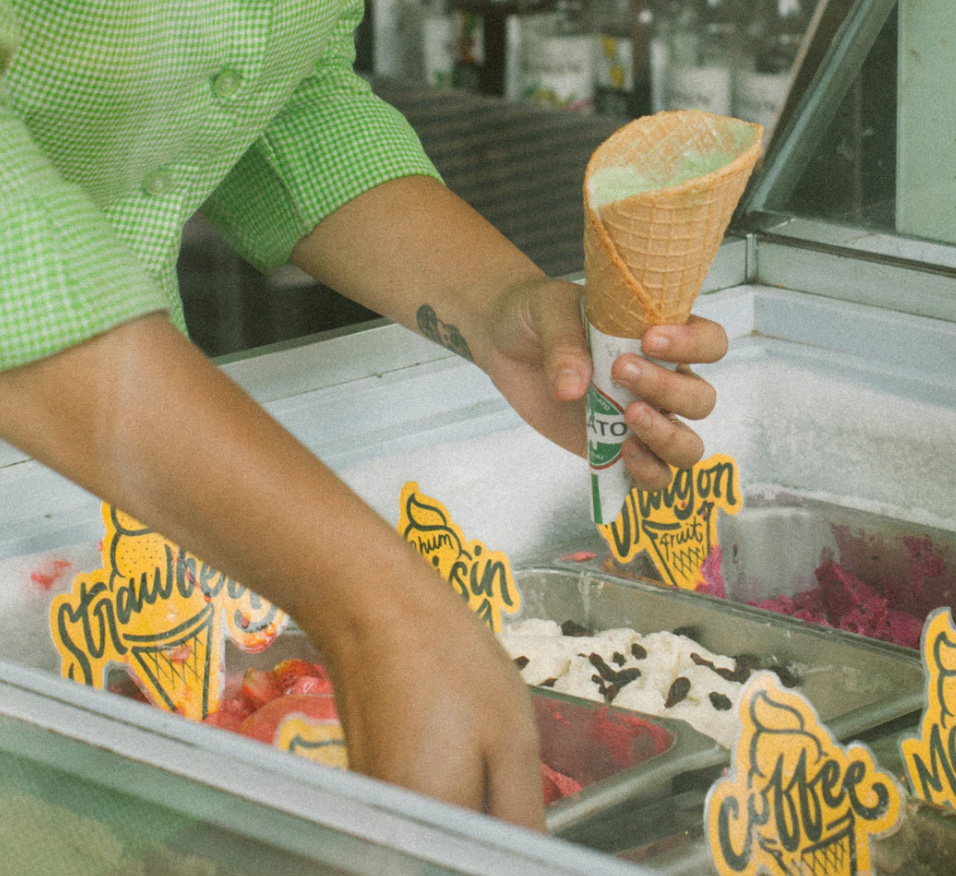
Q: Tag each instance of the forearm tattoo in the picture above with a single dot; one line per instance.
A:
(441, 333)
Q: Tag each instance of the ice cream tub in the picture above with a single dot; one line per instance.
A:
(588, 749)
(857, 570)
(621, 769)
(863, 571)
(855, 684)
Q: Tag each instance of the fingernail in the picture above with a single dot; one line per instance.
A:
(630, 370)
(566, 382)
(656, 344)
(639, 416)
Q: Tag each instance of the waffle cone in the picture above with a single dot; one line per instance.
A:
(646, 256)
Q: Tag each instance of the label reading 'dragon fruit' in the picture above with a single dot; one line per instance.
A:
(677, 526)
(481, 577)
(796, 801)
(930, 757)
(163, 614)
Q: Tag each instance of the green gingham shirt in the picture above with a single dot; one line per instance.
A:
(120, 118)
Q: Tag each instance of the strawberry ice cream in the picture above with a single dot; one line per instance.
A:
(891, 605)
(580, 744)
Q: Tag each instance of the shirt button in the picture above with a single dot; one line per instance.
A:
(158, 182)
(226, 83)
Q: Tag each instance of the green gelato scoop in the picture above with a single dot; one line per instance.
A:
(611, 184)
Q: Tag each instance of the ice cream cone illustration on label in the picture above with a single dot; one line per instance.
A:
(161, 613)
(930, 758)
(658, 197)
(483, 578)
(677, 526)
(796, 801)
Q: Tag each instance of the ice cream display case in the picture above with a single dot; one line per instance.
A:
(837, 408)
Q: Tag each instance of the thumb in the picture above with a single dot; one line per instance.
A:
(558, 321)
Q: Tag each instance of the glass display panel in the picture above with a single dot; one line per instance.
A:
(872, 142)
(61, 812)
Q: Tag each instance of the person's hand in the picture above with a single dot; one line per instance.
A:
(430, 701)
(541, 364)
(428, 697)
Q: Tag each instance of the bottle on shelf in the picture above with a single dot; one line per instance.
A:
(702, 71)
(438, 43)
(622, 75)
(411, 42)
(783, 36)
(778, 29)
(502, 25)
(665, 20)
(384, 16)
(469, 45)
(558, 57)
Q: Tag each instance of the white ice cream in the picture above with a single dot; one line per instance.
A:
(633, 671)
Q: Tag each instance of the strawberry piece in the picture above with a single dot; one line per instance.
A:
(309, 684)
(264, 723)
(549, 788)
(287, 671)
(258, 688)
(555, 785)
(232, 712)
(230, 716)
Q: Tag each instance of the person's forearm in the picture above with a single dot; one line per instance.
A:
(141, 418)
(171, 440)
(413, 251)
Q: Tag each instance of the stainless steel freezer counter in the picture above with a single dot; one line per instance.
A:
(837, 400)
(94, 784)
(816, 414)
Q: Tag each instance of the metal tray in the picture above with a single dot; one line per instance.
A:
(855, 684)
(776, 543)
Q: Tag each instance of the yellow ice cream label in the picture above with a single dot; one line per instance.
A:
(677, 526)
(483, 578)
(161, 613)
(930, 757)
(796, 801)
(321, 741)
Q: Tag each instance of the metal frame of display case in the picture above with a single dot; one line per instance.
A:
(781, 285)
(831, 60)
(330, 817)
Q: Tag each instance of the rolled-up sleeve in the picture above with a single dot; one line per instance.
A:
(332, 141)
(65, 275)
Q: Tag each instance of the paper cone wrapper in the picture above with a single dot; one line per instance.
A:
(646, 254)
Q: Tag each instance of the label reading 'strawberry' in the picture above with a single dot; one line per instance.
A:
(321, 741)
(796, 800)
(677, 526)
(161, 613)
(930, 757)
(481, 577)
